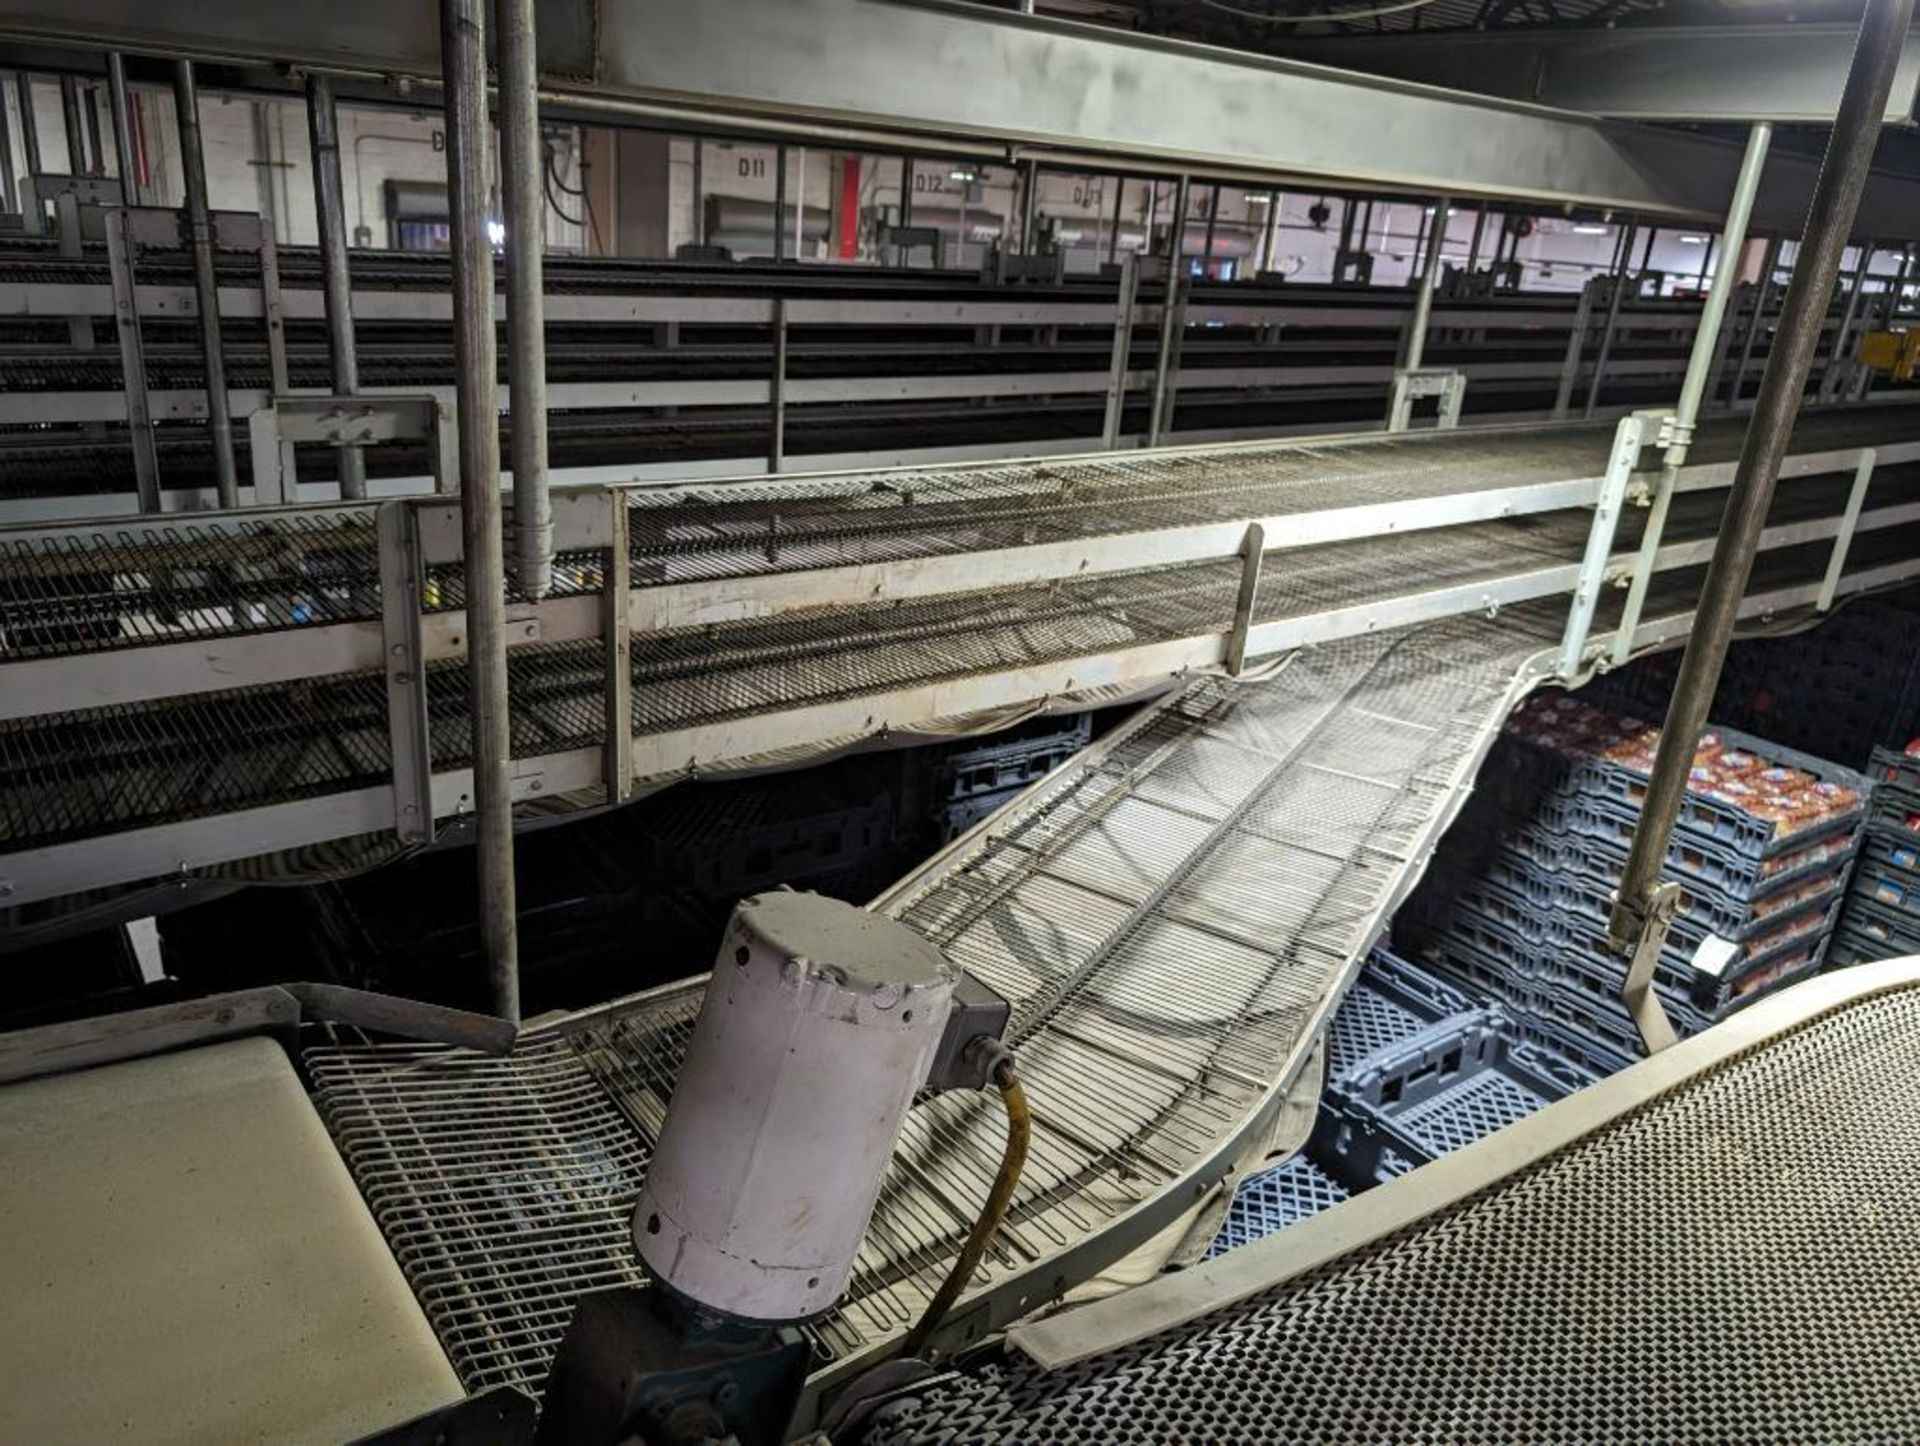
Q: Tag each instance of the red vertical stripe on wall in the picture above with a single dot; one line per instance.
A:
(846, 221)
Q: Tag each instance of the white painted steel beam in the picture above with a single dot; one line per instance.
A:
(906, 70)
(1791, 74)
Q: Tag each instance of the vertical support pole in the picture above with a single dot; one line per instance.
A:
(1213, 224)
(206, 283)
(397, 529)
(76, 135)
(133, 359)
(616, 627)
(1849, 520)
(330, 215)
(9, 188)
(463, 60)
(1639, 916)
(522, 177)
(1628, 439)
(1270, 225)
(1607, 328)
(1415, 349)
(121, 107)
(1756, 323)
(1833, 375)
(270, 311)
(1252, 552)
(1122, 350)
(906, 206)
(800, 205)
(1029, 200)
(1693, 388)
(33, 214)
(779, 203)
(1576, 349)
(699, 197)
(1177, 237)
(1113, 231)
(777, 388)
(1173, 323)
(1479, 230)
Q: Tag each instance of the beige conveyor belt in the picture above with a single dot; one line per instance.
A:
(184, 1259)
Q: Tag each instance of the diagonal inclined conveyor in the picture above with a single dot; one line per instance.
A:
(1174, 915)
(179, 695)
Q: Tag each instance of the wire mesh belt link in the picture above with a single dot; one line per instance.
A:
(1169, 919)
(1731, 1262)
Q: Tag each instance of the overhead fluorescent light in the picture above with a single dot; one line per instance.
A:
(1256, 198)
(1693, 240)
(1591, 228)
(963, 175)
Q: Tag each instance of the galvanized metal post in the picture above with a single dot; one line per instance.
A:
(1029, 200)
(779, 202)
(122, 107)
(1639, 911)
(1123, 306)
(1756, 321)
(1113, 232)
(777, 389)
(1415, 350)
(1177, 248)
(9, 190)
(206, 282)
(1693, 388)
(1270, 224)
(1166, 371)
(699, 193)
(76, 135)
(616, 622)
(133, 360)
(1213, 223)
(1479, 230)
(33, 215)
(1849, 523)
(522, 177)
(1576, 350)
(463, 61)
(330, 213)
(1838, 357)
(1607, 328)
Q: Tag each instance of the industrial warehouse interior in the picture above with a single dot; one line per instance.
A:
(888, 722)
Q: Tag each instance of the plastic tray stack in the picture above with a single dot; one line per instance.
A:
(970, 783)
(1882, 915)
(1416, 1069)
(1761, 853)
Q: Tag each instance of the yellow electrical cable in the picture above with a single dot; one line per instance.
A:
(1012, 1160)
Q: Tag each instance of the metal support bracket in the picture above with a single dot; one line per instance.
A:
(1411, 386)
(359, 420)
(616, 623)
(1642, 936)
(404, 662)
(1251, 553)
(1628, 438)
(1849, 520)
(1123, 308)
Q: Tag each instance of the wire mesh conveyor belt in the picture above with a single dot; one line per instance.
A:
(1174, 916)
(78, 774)
(1713, 1248)
(1171, 916)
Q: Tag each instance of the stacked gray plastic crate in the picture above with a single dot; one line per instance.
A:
(1761, 853)
(971, 782)
(1882, 916)
(1415, 1069)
